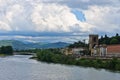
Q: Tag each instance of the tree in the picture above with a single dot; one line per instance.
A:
(114, 41)
(9, 49)
(78, 44)
(117, 34)
(106, 36)
(101, 40)
(6, 50)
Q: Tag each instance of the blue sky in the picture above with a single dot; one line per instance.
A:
(58, 20)
(79, 15)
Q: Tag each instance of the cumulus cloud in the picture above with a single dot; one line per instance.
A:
(105, 19)
(13, 11)
(56, 16)
(4, 27)
(49, 17)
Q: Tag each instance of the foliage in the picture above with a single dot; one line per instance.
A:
(6, 50)
(114, 41)
(78, 44)
(110, 40)
(49, 55)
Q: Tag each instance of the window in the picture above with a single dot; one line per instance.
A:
(94, 39)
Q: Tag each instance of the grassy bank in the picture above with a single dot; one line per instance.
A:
(4, 55)
(52, 56)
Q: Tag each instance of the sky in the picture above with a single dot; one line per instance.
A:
(58, 20)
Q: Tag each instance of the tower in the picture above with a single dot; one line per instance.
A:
(93, 40)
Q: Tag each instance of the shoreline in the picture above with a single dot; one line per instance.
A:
(109, 64)
(93, 66)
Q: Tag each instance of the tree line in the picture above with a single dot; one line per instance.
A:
(8, 50)
(110, 40)
(78, 44)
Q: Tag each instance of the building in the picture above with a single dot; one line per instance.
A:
(102, 49)
(67, 51)
(93, 40)
(76, 51)
(95, 48)
(113, 50)
(99, 50)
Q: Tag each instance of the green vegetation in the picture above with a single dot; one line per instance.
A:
(110, 40)
(78, 44)
(55, 56)
(6, 50)
(114, 41)
(112, 64)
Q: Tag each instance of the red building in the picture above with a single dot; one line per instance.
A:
(113, 50)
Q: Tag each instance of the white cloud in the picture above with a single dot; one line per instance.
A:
(56, 18)
(40, 16)
(4, 27)
(105, 19)
(14, 11)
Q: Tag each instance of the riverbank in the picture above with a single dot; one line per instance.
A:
(4, 55)
(52, 57)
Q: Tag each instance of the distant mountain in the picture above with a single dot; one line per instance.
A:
(19, 45)
(55, 45)
(14, 43)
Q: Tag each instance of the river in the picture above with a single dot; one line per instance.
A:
(20, 67)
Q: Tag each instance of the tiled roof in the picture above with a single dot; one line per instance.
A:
(113, 48)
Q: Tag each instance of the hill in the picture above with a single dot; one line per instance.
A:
(19, 45)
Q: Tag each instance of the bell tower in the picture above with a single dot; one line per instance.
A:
(93, 40)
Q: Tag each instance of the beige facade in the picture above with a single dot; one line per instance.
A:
(68, 51)
(99, 50)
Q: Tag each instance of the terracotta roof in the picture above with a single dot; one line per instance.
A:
(113, 48)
